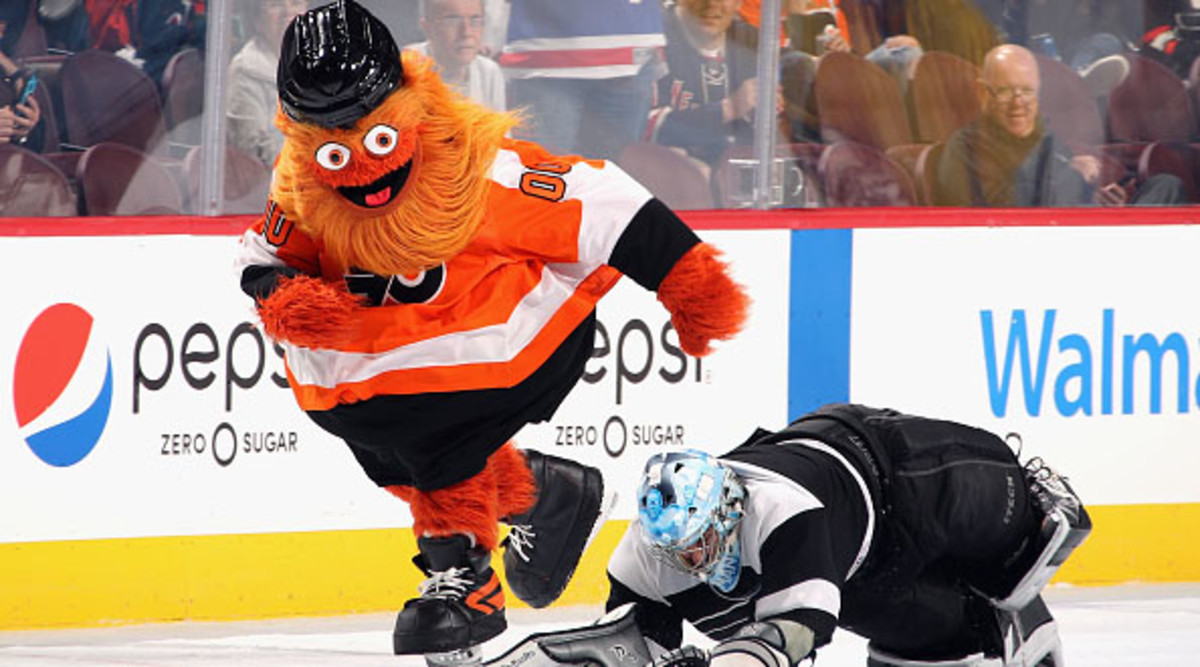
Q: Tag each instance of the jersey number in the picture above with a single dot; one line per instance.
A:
(544, 180)
(277, 227)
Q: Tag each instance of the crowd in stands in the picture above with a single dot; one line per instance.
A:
(876, 102)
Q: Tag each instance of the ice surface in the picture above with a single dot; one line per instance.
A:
(1144, 625)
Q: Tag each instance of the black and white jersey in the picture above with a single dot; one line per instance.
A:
(808, 527)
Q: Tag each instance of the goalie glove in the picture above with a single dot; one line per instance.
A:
(765, 644)
(687, 656)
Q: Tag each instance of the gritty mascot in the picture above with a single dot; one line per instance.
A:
(433, 285)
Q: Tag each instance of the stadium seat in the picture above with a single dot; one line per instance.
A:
(926, 168)
(1180, 160)
(115, 179)
(1068, 106)
(854, 174)
(247, 182)
(31, 186)
(1150, 105)
(678, 180)
(942, 96)
(32, 38)
(107, 99)
(857, 101)
(906, 156)
(183, 96)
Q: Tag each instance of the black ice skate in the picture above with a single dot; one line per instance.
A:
(545, 544)
(1065, 525)
(461, 603)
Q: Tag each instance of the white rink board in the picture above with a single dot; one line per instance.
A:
(138, 482)
(742, 385)
(917, 342)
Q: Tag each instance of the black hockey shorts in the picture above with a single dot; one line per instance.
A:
(959, 514)
(431, 441)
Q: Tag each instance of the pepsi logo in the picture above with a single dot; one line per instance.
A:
(62, 385)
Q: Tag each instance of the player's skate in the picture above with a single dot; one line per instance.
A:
(1065, 525)
(461, 603)
(545, 544)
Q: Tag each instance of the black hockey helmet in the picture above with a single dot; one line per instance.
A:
(336, 64)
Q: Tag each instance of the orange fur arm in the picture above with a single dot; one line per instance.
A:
(309, 312)
(704, 302)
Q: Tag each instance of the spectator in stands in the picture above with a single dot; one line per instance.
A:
(166, 27)
(584, 70)
(19, 123)
(113, 25)
(454, 32)
(1007, 157)
(252, 94)
(708, 98)
(1174, 40)
(66, 24)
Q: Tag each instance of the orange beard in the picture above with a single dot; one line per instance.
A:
(439, 207)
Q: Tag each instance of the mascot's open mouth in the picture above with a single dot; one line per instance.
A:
(381, 191)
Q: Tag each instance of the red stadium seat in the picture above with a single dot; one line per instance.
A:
(857, 101)
(247, 182)
(855, 174)
(106, 98)
(680, 181)
(31, 186)
(942, 96)
(115, 179)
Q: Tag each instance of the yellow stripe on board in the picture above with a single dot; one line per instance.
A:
(226, 577)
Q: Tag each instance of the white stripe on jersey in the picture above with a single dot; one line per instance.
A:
(585, 42)
(255, 252)
(610, 200)
(491, 344)
(869, 533)
(812, 594)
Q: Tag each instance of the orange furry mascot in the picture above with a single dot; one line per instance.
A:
(433, 285)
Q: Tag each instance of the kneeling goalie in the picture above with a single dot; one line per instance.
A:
(926, 537)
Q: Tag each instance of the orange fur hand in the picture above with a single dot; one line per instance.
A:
(309, 312)
(704, 302)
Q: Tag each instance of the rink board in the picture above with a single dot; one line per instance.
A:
(208, 495)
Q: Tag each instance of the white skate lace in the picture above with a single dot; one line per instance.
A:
(520, 538)
(449, 583)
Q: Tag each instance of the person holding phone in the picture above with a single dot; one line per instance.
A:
(20, 113)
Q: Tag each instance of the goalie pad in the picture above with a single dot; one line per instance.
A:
(612, 641)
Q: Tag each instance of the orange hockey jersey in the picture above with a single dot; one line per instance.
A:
(557, 234)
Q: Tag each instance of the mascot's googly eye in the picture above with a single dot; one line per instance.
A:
(381, 140)
(333, 156)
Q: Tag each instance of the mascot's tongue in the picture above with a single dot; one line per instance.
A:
(379, 198)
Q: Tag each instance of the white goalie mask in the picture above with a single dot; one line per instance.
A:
(689, 508)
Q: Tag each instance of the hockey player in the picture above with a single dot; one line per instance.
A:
(926, 537)
(433, 285)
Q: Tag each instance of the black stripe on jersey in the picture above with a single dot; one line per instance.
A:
(651, 244)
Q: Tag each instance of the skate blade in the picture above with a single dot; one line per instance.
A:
(472, 656)
(607, 502)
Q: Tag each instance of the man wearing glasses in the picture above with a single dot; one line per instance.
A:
(454, 30)
(1008, 157)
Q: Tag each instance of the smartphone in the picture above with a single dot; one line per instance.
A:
(30, 86)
